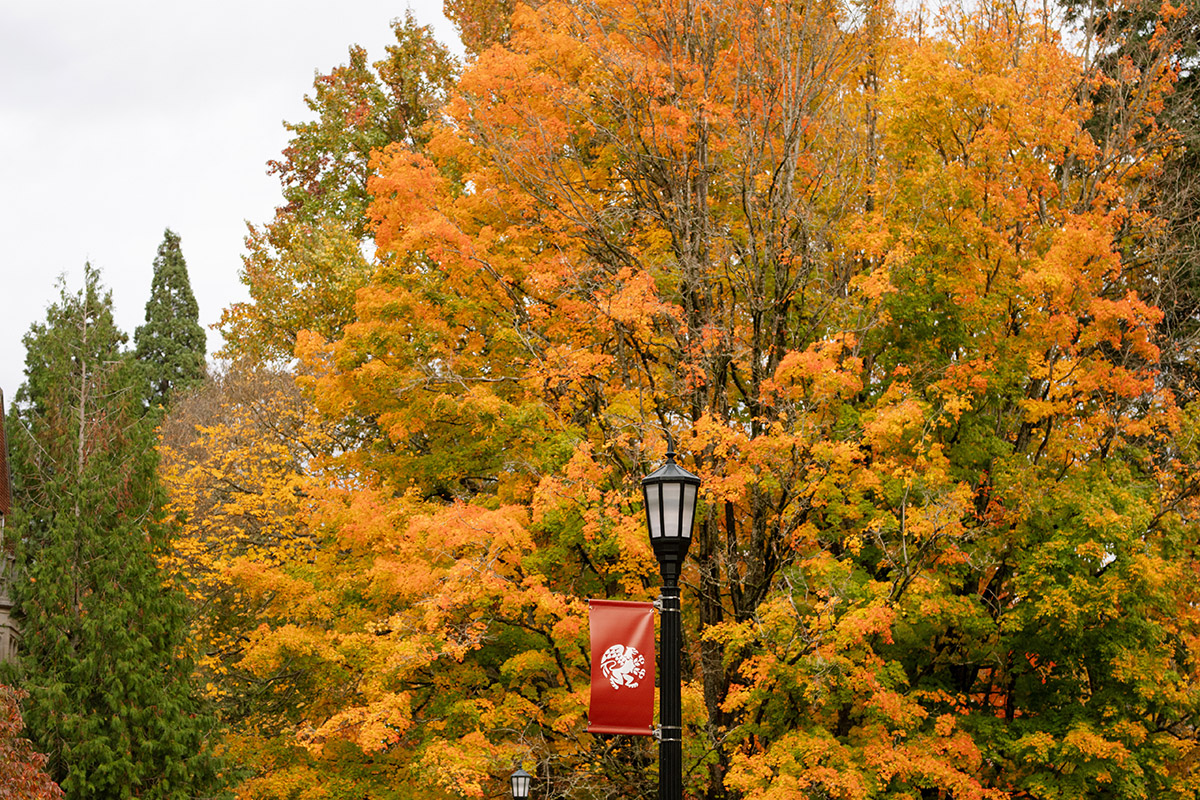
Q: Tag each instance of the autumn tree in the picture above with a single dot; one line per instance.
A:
(102, 653)
(630, 225)
(302, 270)
(21, 767)
(171, 344)
(279, 562)
(1012, 484)
(902, 346)
(303, 267)
(1125, 39)
(882, 282)
(525, 367)
(236, 456)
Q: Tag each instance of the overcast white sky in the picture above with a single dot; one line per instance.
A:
(120, 119)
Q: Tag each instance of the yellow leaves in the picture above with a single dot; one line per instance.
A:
(269, 648)
(460, 549)
(1084, 742)
(461, 767)
(805, 762)
(1084, 748)
(827, 369)
(524, 666)
(1078, 257)
(898, 419)
(799, 763)
(377, 726)
(455, 575)
(990, 74)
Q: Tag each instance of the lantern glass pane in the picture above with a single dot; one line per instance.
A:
(689, 509)
(672, 497)
(654, 510)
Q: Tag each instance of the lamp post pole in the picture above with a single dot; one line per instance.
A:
(670, 701)
(670, 494)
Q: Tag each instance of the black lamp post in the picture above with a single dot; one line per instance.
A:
(670, 493)
(520, 784)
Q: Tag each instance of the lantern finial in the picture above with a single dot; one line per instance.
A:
(670, 495)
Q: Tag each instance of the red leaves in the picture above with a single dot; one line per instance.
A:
(22, 775)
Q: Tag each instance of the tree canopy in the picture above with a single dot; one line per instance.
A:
(899, 286)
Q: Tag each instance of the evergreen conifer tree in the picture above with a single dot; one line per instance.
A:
(102, 653)
(171, 344)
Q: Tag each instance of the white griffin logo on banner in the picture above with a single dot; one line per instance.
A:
(623, 666)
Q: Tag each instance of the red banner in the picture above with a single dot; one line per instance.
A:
(622, 667)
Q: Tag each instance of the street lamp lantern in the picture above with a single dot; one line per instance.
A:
(670, 493)
(520, 784)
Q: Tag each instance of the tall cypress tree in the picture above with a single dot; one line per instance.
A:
(171, 344)
(102, 653)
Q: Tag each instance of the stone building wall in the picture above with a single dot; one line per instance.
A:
(8, 626)
(9, 635)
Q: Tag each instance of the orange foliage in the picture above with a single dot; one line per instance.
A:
(870, 277)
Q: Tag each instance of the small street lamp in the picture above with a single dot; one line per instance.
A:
(670, 493)
(520, 784)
